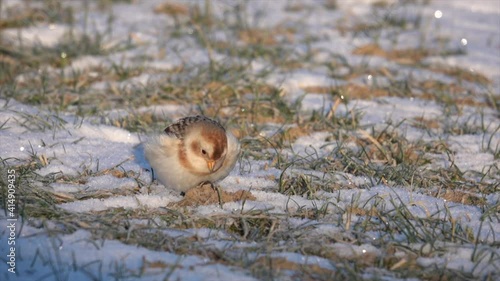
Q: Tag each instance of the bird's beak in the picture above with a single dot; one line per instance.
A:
(210, 164)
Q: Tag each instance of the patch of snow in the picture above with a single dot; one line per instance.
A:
(48, 35)
(113, 134)
(108, 182)
(57, 169)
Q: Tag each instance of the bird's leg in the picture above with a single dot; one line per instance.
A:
(215, 188)
(152, 174)
(152, 178)
(205, 183)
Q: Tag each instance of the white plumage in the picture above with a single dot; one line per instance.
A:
(191, 151)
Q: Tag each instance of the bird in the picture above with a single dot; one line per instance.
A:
(192, 151)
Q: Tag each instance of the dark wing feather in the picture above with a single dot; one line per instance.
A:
(178, 128)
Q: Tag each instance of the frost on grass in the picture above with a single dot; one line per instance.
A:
(370, 136)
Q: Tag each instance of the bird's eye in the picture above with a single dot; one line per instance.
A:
(204, 152)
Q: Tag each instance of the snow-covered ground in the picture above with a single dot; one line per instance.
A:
(71, 155)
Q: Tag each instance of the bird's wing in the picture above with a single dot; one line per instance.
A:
(178, 128)
(165, 145)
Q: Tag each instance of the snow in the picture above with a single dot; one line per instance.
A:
(293, 83)
(459, 258)
(349, 251)
(76, 257)
(66, 147)
(48, 35)
(109, 182)
(463, 21)
(127, 202)
(58, 169)
(107, 133)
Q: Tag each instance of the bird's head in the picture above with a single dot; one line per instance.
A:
(205, 145)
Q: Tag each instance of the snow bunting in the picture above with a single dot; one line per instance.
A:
(192, 151)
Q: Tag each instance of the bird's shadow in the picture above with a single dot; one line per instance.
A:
(140, 157)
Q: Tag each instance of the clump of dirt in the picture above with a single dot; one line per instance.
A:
(207, 195)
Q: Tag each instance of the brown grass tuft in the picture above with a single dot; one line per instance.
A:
(172, 9)
(206, 195)
(462, 197)
(402, 56)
